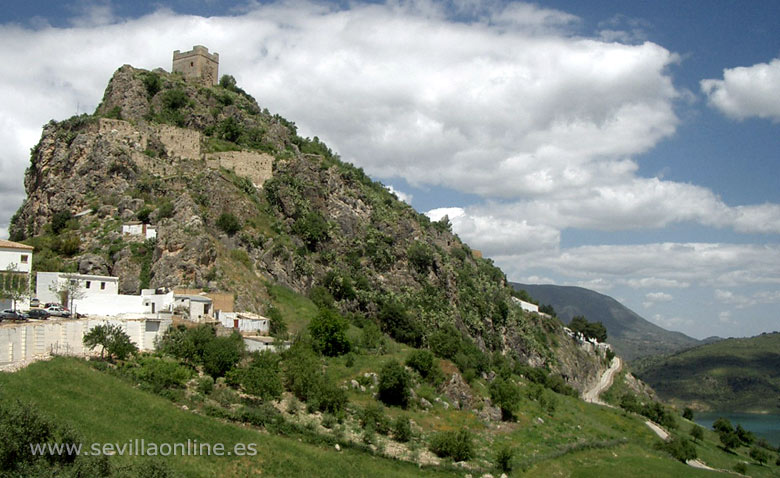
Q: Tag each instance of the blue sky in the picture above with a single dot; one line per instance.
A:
(628, 147)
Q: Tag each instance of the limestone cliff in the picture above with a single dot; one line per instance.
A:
(239, 200)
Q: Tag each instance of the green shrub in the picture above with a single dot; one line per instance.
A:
(760, 455)
(457, 445)
(228, 223)
(372, 339)
(402, 429)
(277, 326)
(174, 99)
(328, 331)
(679, 447)
(687, 413)
(422, 361)
(504, 459)
(420, 256)
(394, 384)
(506, 396)
(312, 228)
(375, 418)
(59, 220)
(396, 321)
(262, 377)
(152, 83)
(740, 468)
(697, 433)
(205, 384)
(160, 374)
(112, 339)
(302, 371)
(221, 354)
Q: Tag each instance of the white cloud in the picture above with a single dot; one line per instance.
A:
(407, 198)
(747, 91)
(650, 282)
(494, 235)
(652, 298)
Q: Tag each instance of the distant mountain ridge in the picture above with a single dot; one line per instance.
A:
(738, 374)
(631, 335)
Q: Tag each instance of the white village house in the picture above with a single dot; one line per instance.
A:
(15, 268)
(99, 295)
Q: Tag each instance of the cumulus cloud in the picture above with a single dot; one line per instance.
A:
(746, 91)
(705, 264)
(407, 198)
(495, 235)
(653, 298)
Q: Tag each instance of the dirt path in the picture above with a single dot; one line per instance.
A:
(605, 382)
(664, 435)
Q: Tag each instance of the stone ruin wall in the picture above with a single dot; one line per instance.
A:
(184, 144)
(258, 167)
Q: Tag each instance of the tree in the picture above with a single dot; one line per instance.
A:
(745, 436)
(697, 433)
(680, 448)
(394, 384)
(591, 330)
(277, 327)
(14, 285)
(505, 395)
(329, 333)
(228, 223)
(69, 290)
(729, 439)
(262, 377)
(687, 413)
(761, 456)
(222, 353)
(112, 339)
(722, 425)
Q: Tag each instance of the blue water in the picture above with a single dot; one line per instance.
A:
(766, 426)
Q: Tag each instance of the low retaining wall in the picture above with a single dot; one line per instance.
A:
(27, 342)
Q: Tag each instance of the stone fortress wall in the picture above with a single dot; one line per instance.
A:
(257, 167)
(183, 144)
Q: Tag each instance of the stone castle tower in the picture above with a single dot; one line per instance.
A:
(197, 65)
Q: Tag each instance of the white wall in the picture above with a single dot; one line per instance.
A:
(31, 341)
(260, 325)
(13, 257)
(99, 286)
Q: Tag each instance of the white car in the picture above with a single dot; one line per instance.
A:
(58, 311)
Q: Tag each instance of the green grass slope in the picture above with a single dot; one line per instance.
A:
(631, 335)
(579, 440)
(106, 410)
(730, 375)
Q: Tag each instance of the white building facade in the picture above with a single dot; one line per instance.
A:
(15, 268)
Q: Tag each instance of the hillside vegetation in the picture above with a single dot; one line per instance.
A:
(729, 375)
(630, 335)
(319, 227)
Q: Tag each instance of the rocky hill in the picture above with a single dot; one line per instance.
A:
(240, 201)
(631, 335)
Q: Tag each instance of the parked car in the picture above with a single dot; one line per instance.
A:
(40, 314)
(9, 314)
(35, 303)
(57, 310)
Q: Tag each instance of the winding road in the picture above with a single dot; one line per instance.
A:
(605, 381)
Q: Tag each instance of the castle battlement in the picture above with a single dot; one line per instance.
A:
(197, 65)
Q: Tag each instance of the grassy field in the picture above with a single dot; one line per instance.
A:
(105, 409)
(573, 439)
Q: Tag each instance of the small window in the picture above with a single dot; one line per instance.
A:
(24, 258)
(102, 286)
(87, 284)
(192, 63)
